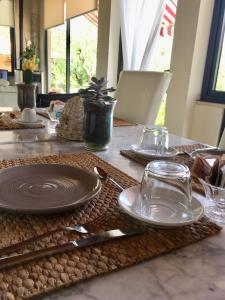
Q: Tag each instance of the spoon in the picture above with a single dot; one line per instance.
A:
(104, 176)
(193, 153)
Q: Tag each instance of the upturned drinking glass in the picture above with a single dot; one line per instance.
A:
(166, 188)
(155, 138)
(216, 195)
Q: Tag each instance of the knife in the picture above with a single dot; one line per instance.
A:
(95, 239)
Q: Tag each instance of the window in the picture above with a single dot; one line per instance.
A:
(71, 65)
(57, 59)
(83, 47)
(213, 89)
(6, 53)
(163, 49)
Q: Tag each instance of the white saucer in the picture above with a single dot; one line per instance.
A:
(36, 123)
(170, 152)
(171, 213)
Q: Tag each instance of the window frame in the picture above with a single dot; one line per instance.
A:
(13, 50)
(209, 94)
(68, 55)
(46, 47)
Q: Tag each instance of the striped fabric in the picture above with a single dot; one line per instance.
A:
(169, 17)
(168, 21)
(92, 17)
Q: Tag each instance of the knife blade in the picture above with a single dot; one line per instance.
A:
(95, 239)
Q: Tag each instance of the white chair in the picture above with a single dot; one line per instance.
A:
(222, 140)
(140, 94)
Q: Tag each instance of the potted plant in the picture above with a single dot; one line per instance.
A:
(26, 90)
(98, 114)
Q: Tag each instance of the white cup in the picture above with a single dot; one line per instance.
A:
(29, 115)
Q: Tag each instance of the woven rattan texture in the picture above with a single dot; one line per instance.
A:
(7, 122)
(183, 159)
(120, 123)
(58, 271)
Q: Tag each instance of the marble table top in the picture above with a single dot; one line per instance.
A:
(194, 272)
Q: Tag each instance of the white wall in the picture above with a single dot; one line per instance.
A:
(206, 122)
(108, 40)
(191, 37)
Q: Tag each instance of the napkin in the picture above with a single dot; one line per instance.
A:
(214, 174)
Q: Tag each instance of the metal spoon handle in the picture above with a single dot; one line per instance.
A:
(116, 183)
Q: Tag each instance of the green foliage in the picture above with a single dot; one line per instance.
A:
(96, 90)
(79, 76)
(220, 83)
(160, 121)
(58, 70)
(30, 52)
(82, 55)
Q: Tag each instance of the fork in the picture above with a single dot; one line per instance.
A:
(79, 228)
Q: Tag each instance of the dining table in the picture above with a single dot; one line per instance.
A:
(196, 271)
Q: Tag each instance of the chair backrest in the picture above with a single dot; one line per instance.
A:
(43, 100)
(222, 140)
(140, 94)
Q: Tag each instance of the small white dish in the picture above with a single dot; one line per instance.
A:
(29, 124)
(169, 153)
(159, 213)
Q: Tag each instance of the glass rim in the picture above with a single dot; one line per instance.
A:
(163, 172)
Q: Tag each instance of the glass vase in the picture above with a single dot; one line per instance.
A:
(26, 95)
(98, 123)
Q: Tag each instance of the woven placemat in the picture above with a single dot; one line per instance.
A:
(7, 122)
(58, 271)
(183, 159)
(120, 123)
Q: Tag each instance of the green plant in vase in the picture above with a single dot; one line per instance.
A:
(26, 96)
(29, 62)
(98, 114)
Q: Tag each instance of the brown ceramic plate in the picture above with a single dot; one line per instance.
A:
(46, 188)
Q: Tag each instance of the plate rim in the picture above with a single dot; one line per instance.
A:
(158, 224)
(173, 153)
(54, 209)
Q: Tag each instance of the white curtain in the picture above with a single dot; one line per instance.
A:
(140, 25)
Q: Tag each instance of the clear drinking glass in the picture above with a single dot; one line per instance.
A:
(154, 138)
(215, 194)
(166, 190)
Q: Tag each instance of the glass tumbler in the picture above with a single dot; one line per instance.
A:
(166, 191)
(215, 194)
(154, 138)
